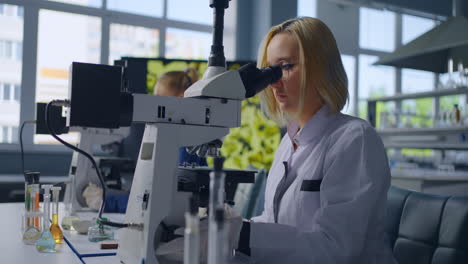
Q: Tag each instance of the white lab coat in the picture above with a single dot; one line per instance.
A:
(343, 220)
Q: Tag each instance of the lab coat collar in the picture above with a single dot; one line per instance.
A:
(313, 129)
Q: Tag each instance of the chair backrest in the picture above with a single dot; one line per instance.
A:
(427, 229)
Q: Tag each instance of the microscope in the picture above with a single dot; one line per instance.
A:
(201, 119)
(81, 170)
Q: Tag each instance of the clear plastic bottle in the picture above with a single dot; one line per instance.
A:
(99, 232)
(46, 242)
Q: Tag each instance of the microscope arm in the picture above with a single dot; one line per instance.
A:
(212, 112)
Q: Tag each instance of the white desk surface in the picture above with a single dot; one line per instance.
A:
(80, 242)
(103, 260)
(15, 251)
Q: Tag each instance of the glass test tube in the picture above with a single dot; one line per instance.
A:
(27, 198)
(216, 242)
(192, 234)
(35, 204)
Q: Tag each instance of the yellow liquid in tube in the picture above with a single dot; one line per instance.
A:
(55, 230)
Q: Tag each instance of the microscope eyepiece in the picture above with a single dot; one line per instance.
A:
(255, 80)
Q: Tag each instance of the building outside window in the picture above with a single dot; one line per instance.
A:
(11, 49)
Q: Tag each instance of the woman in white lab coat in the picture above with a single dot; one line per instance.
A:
(326, 192)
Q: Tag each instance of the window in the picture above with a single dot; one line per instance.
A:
(54, 60)
(71, 30)
(14, 134)
(126, 40)
(413, 27)
(17, 92)
(204, 14)
(374, 81)
(5, 137)
(349, 65)
(447, 103)
(377, 29)
(91, 3)
(187, 44)
(413, 81)
(11, 11)
(417, 113)
(20, 12)
(307, 8)
(141, 7)
(8, 52)
(11, 50)
(18, 51)
(6, 92)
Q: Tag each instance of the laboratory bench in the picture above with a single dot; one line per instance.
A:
(454, 183)
(15, 251)
(78, 250)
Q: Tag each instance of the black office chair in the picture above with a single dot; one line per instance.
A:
(427, 229)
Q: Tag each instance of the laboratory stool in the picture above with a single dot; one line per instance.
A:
(427, 229)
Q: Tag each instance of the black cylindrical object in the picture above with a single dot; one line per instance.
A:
(255, 80)
(193, 204)
(217, 49)
(218, 164)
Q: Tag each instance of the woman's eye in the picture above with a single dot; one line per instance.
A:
(287, 66)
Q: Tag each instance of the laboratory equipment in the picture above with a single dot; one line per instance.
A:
(31, 234)
(192, 233)
(216, 228)
(32, 216)
(46, 242)
(82, 226)
(55, 228)
(27, 196)
(67, 222)
(100, 232)
(81, 170)
(35, 195)
(209, 108)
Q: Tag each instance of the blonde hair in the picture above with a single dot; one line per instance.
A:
(177, 81)
(323, 68)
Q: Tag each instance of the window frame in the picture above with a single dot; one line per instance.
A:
(30, 16)
(398, 71)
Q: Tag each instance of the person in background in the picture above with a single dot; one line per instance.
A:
(326, 193)
(174, 83)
